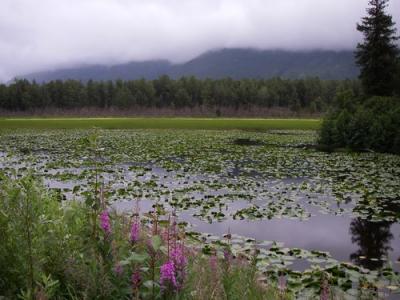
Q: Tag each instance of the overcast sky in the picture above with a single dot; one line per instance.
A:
(47, 34)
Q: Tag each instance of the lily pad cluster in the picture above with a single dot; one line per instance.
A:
(304, 270)
(209, 174)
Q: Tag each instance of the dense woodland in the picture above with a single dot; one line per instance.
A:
(311, 94)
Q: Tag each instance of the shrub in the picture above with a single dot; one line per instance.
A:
(54, 250)
(29, 229)
(370, 125)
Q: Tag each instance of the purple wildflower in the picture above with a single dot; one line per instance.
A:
(118, 269)
(136, 280)
(324, 290)
(227, 256)
(180, 261)
(135, 231)
(178, 256)
(282, 283)
(150, 250)
(167, 276)
(213, 263)
(105, 222)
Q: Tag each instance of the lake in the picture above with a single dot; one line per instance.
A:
(302, 207)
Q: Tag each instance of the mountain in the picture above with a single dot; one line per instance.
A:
(234, 63)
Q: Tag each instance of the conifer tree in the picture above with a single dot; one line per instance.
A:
(378, 54)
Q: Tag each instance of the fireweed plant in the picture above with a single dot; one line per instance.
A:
(54, 249)
(48, 252)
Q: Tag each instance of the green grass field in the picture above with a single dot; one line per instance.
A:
(159, 123)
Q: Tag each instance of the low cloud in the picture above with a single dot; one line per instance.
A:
(46, 34)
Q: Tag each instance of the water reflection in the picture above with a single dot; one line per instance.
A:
(373, 240)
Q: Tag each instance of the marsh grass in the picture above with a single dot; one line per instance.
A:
(161, 123)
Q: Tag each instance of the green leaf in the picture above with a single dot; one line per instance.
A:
(150, 283)
(156, 242)
(134, 258)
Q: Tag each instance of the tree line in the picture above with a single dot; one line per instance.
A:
(311, 94)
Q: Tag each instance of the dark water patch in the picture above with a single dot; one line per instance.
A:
(248, 142)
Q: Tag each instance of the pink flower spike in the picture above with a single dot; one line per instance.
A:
(214, 263)
(282, 283)
(118, 270)
(105, 222)
(167, 276)
(136, 280)
(178, 257)
(135, 231)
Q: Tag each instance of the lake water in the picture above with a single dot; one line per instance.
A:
(345, 204)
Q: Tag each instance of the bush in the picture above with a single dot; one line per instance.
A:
(72, 250)
(370, 125)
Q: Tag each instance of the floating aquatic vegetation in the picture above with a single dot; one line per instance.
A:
(208, 176)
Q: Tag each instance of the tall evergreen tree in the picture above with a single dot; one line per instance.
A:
(377, 55)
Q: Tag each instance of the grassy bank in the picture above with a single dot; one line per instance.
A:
(160, 123)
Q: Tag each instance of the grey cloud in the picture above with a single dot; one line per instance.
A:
(39, 35)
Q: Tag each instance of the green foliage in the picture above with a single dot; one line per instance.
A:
(397, 79)
(372, 125)
(276, 155)
(32, 232)
(377, 56)
(162, 123)
(48, 251)
(301, 94)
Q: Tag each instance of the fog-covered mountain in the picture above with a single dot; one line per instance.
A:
(234, 63)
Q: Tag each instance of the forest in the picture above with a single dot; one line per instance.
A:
(310, 94)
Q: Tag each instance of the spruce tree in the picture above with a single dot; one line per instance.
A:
(377, 55)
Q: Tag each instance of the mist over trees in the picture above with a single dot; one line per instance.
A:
(311, 94)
